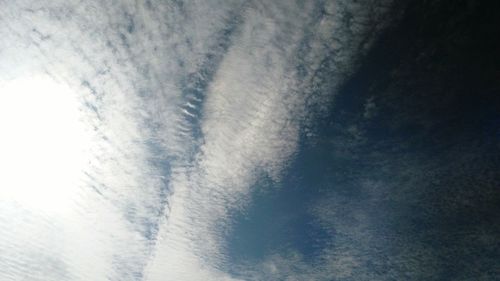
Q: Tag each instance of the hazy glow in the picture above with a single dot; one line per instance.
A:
(43, 144)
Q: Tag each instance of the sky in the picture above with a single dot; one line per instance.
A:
(243, 140)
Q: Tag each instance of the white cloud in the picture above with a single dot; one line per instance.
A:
(129, 65)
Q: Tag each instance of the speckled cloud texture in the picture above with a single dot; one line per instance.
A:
(185, 104)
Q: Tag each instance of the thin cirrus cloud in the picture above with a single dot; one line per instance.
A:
(184, 105)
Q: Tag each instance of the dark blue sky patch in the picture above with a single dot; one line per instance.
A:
(280, 217)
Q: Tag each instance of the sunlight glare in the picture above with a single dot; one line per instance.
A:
(43, 144)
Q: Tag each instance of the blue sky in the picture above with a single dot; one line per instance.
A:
(219, 140)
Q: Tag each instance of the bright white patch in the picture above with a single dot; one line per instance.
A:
(42, 146)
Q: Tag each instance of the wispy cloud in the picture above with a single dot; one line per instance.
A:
(251, 121)
(187, 104)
